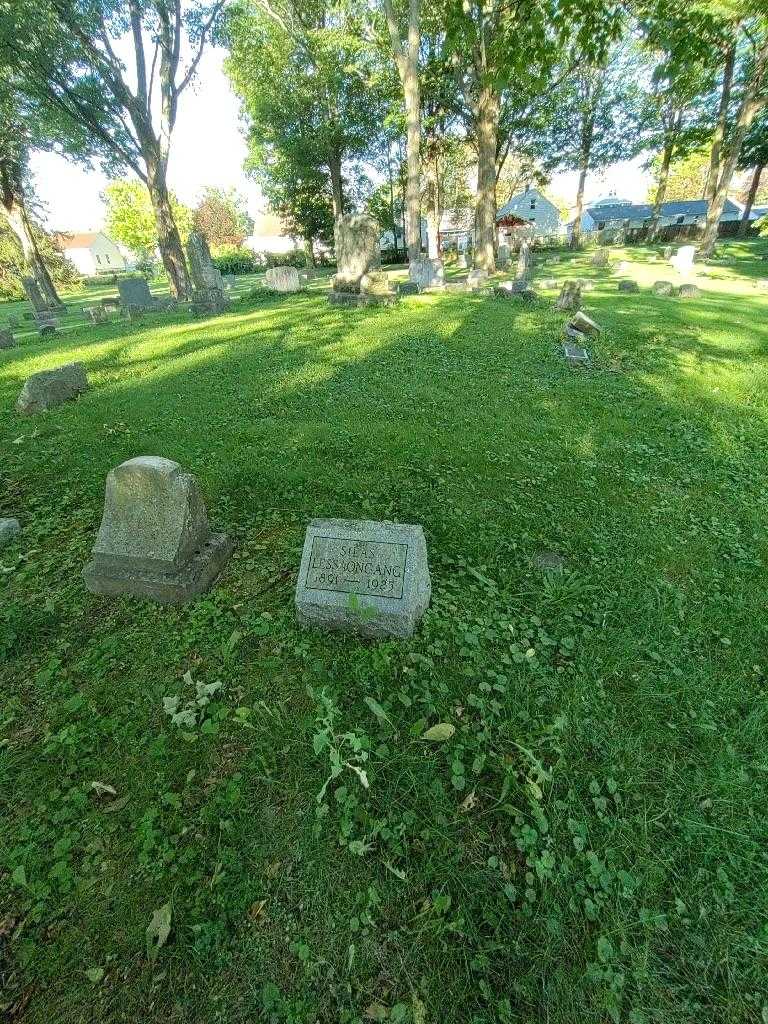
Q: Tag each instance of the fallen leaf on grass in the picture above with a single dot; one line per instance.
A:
(272, 869)
(102, 789)
(256, 912)
(94, 974)
(158, 930)
(438, 733)
(376, 1011)
(469, 802)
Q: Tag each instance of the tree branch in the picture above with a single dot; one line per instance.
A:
(205, 30)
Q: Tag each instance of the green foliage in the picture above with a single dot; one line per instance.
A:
(232, 259)
(12, 268)
(222, 217)
(687, 177)
(130, 218)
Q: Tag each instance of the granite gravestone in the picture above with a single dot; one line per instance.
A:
(575, 355)
(426, 272)
(36, 297)
(154, 540)
(283, 279)
(357, 249)
(569, 297)
(663, 288)
(9, 528)
(477, 279)
(524, 261)
(363, 577)
(135, 293)
(688, 291)
(601, 257)
(631, 287)
(7, 339)
(50, 388)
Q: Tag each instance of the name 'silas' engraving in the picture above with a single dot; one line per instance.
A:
(357, 567)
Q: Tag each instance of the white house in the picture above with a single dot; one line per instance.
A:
(269, 236)
(531, 207)
(92, 252)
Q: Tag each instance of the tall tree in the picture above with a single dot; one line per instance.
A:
(308, 93)
(130, 218)
(754, 156)
(496, 45)
(66, 54)
(222, 216)
(598, 119)
(405, 47)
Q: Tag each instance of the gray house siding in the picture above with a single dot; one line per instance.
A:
(535, 208)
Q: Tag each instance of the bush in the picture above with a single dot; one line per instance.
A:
(232, 259)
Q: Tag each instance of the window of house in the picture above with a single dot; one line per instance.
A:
(98, 259)
(533, 204)
(600, 225)
(106, 259)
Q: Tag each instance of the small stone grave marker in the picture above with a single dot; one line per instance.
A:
(631, 287)
(408, 288)
(363, 577)
(154, 540)
(477, 279)
(283, 279)
(688, 291)
(663, 288)
(570, 296)
(134, 293)
(575, 355)
(7, 339)
(50, 388)
(426, 272)
(9, 528)
(601, 257)
(585, 324)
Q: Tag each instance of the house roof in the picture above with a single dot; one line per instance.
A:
(758, 212)
(81, 240)
(644, 211)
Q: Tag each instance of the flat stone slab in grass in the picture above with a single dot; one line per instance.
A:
(50, 388)
(688, 291)
(549, 561)
(575, 355)
(663, 288)
(408, 288)
(363, 577)
(283, 279)
(154, 540)
(8, 530)
(631, 287)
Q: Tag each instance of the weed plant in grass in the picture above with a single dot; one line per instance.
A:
(210, 815)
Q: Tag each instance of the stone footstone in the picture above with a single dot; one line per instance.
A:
(50, 388)
(363, 577)
(549, 561)
(408, 288)
(9, 528)
(283, 279)
(7, 339)
(575, 355)
(154, 540)
(688, 291)
(663, 288)
(629, 286)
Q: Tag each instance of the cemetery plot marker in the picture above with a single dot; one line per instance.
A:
(363, 577)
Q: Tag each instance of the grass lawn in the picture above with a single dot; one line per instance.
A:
(589, 846)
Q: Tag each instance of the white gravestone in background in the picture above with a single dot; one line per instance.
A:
(363, 577)
(683, 259)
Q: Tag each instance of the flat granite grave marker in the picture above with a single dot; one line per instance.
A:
(49, 388)
(575, 355)
(9, 528)
(154, 540)
(363, 577)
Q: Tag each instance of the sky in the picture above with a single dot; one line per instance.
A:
(208, 148)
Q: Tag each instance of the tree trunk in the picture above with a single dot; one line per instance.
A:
(392, 217)
(309, 252)
(407, 61)
(18, 218)
(661, 190)
(722, 120)
(433, 212)
(487, 130)
(168, 238)
(584, 155)
(337, 186)
(747, 111)
(754, 186)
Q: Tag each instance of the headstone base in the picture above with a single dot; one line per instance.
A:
(358, 299)
(189, 581)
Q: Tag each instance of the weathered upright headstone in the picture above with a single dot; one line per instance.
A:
(575, 355)
(688, 291)
(35, 296)
(502, 257)
(134, 293)
(477, 279)
(570, 296)
(363, 577)
(357, 248)
(601, 257)
(50, 388)
(462, 261)
(376, 283)
(283, 279)
(631, 287)
(7, 339)
(209, 292)
(683, 259)
(426, 272)
(154, 540)
(524, 261)
(663, 288)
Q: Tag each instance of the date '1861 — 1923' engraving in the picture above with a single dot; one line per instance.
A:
(357, 567)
